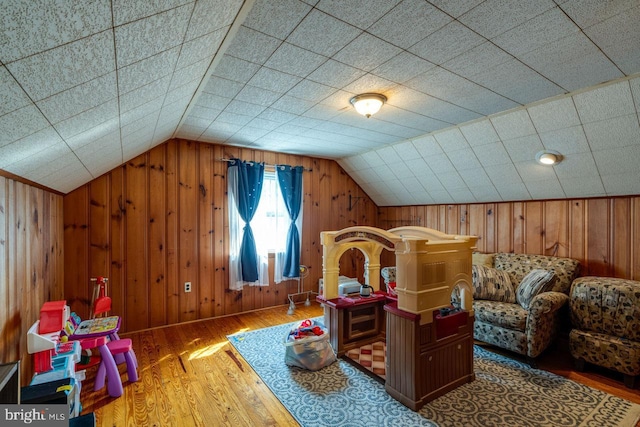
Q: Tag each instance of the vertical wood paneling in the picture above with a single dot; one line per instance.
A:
(137, 302)
(157, 240)
(556, 228)
(205, 231)
(621, 238)
(533, 229)
(188, 231)
(117, 243)
(76, 259)
(598, 237)
(577, 231)
(31, 264)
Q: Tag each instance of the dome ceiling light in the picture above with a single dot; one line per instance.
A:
(548, 157)
(368, 104)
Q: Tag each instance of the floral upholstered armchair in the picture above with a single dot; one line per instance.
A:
(518, 300)
(605, 313)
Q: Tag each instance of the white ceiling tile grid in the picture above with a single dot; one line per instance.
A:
(475, 89)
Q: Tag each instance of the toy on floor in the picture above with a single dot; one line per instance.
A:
(307, 346)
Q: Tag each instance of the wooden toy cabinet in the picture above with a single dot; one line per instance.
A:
(422, 366)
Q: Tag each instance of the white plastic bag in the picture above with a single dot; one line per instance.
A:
(310, 350)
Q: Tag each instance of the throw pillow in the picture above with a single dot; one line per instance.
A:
(534, 283)
(482, 259)
(491, 284)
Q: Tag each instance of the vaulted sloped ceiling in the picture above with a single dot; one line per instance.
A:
(475, 89)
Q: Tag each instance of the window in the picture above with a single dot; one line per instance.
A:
(271, 220)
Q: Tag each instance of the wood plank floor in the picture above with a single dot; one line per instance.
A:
(191, 376)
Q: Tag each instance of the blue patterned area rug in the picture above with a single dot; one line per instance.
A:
(506, 392)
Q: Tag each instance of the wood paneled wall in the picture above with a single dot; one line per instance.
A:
(31, 263)
(603, 234)
(161, 220)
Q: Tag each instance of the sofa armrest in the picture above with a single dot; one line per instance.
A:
(542, 321)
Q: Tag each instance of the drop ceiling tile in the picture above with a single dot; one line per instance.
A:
(294, 60)
(369, 83)
(277, 19)
(91, 135)
(359, 13)
(474, 61)
(492, 154)
(456, 8)
(146, 37)
(513, 191)
(462, 195)
(229, 89)
(146, 71)
(80, 98)
(565, 141)
(12, 97)
(463, 159)
(402, 172)
(431, 183)
(213, 102)
(38, 26)
(409, 23)
(620, 39)
(517, 82)
(635, 90)
(355, 162)
(605, 102)
(573, 62)
(292, 105)
(451, 140)
(532, 171)
(475, 177)
(406, 151)
(410, 119)
(494, 17)
(70, 177)
(248, 134)
(245, 108)
(585, 186)
(611, 133)
(263, 124)
(190, 73)
(553, 115)
(545, 189)
(218, 134)
(146, 122)
(427, 146)
(21, 123)
(252, 46)
(126, 11)
(503, 175)
(64, 67)
(439, 163)
(373, 159)
(335, 74)
(513, 125)
(277, 115)
(622, 184)
(235, 69)
(322, 33)
(107, 147)
(485, 192)
(311, 91)
(203, 47)
(543, 29)
(590, 12)
(28, 146)
(144, 94)
(273, 80)
(232, 118)
(312, 123)
(366, 52)
(576, 165)
(446, 43)
(389, 155)
(402, 67)
(321, 112)
(621, 159)
(441, 197)
(181, 97)
(479, 133)
(212, 15)
(523, 149)
(104, 114)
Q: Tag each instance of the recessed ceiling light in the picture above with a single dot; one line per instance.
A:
(368, 104)
(548, 157)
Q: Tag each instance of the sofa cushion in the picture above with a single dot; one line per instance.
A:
(534, 283)
(505, 315)
(491, 284)
(478, 258)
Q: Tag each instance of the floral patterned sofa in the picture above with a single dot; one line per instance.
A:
(605, 313)
(523, 318)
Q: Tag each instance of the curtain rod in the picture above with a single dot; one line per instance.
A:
(223, 159)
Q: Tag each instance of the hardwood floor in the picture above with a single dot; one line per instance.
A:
(191, 376)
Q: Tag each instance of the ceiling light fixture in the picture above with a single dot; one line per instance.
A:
(368, 104)
(548, 157)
